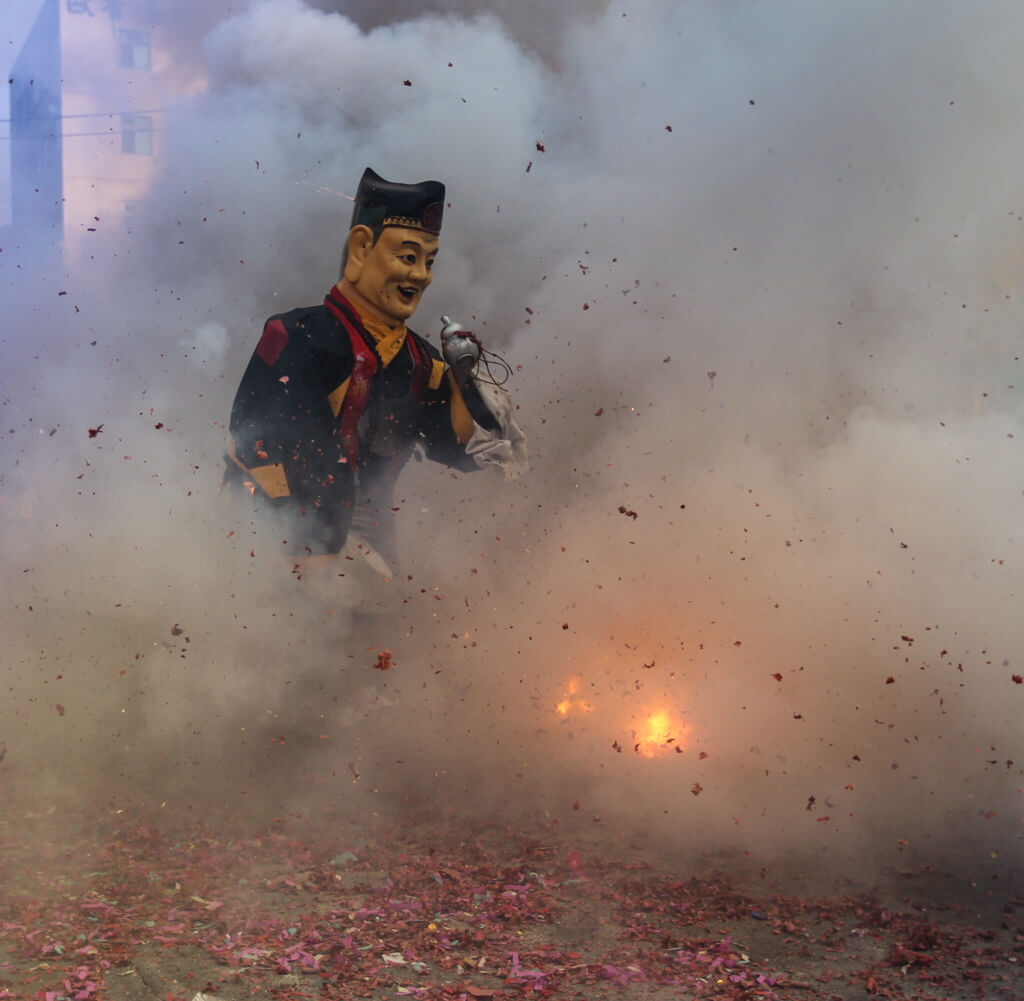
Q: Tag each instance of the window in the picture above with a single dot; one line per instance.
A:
(137, 134)
(131, 215)
(135, 49)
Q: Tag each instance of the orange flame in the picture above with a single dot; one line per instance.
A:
(661, 732)
(570, 702)
(656, 731)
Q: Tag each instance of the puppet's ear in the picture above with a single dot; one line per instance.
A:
(360, 241)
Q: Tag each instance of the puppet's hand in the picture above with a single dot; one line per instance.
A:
(462, 370)
(461, 350)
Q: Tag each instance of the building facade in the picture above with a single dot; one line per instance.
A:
(88, 105)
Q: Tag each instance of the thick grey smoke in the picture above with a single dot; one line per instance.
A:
(757, 267)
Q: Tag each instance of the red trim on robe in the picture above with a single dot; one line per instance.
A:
(364, 367)
(273, 341)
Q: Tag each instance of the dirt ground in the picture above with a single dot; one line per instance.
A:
(121, 903)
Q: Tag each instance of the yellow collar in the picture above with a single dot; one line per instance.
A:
(388, 340)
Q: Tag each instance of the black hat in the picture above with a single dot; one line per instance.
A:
(381, 203)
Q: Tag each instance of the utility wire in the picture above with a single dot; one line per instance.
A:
(79, 135)
(84, 114)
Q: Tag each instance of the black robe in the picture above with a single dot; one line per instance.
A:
(320, 426)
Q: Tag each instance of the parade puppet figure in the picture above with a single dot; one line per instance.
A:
(338, 396)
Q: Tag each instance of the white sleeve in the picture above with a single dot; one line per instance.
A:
(505, 447)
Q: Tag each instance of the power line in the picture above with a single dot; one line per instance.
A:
(89, 114)
(80, 135)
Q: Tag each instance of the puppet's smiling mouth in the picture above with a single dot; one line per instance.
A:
(408, 292)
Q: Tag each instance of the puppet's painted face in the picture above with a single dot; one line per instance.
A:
(396, 271)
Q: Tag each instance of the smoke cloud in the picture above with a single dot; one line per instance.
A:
(757, 268)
